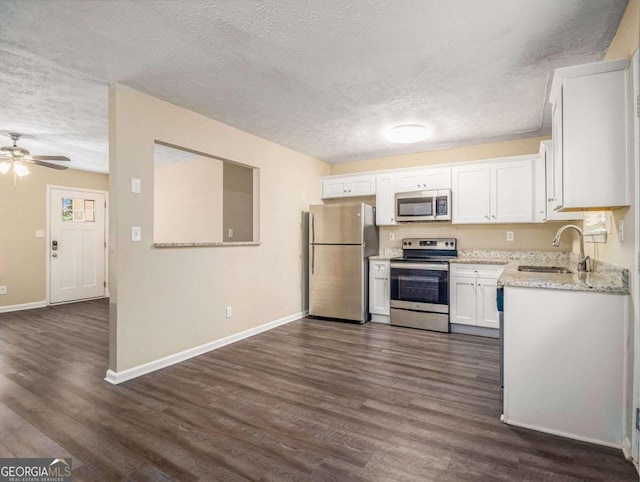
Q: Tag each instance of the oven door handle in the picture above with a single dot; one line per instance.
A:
(421, 266)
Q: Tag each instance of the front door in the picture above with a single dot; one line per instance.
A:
(77, 245)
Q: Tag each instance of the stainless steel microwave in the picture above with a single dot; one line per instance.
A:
(424, 206)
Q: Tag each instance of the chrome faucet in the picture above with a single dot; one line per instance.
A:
(583, 261)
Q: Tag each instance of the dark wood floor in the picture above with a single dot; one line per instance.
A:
(311, 400)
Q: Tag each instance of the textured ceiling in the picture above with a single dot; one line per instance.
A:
(326, 78)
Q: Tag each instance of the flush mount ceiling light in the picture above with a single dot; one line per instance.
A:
(408, 134)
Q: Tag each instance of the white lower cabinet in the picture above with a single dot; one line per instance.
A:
(564, 362)
(473, 289)
(379, 290)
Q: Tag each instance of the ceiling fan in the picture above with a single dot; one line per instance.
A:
(15, 157)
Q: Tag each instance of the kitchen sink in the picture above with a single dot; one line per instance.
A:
(544, 269)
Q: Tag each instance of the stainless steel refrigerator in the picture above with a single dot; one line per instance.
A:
(341, 238)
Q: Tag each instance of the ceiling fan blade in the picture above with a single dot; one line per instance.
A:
(45, 164)
(50, 158)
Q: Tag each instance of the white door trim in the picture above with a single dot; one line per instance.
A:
(635, 388)
(47, 254)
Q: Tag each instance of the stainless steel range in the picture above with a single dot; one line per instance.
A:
(420, 283)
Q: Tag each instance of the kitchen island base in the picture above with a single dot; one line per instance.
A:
(565, 355)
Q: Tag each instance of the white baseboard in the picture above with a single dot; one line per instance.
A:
(115, 378)
(566, 435)
(474, 330)
(381, 319)
(626, 448)
(24, 306)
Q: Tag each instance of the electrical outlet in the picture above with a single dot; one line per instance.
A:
(229, 312)
(621, 230)
(3, 290)
(510, 236)
(392, 236)
(136, 185)
(136, 233)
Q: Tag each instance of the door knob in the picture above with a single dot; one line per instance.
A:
(55, 255)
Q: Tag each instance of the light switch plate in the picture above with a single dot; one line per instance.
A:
(39, 233)
(136, 185)
(136, 233)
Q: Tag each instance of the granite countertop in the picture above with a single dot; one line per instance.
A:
(603, 277)
(205, 245)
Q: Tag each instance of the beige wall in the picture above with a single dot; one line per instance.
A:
(625, 41)
(168, 300)
(527, 237)
(459, 154)
(238, 203)
(188, 201)
(22, 212)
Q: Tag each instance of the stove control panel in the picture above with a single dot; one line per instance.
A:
(429, 243)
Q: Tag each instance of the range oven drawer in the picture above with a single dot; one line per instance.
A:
(420, 319)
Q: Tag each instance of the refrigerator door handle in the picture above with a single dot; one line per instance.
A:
(313, 228)
(313, 259)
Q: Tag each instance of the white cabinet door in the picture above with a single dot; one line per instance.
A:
(363, 186)
(407, 181)
(473, 290)
(591, 135)
(487, 311)
(471, 199)
(556, 133)
(437, 178)
(385, 199)
(512, 192)
(432, 178)
(463, 300)
(553, 186)
(334, 188)
(379, 287)
(348, 186)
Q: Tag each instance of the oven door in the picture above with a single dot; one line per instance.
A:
(420, 287)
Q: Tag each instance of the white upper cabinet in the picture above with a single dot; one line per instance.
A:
(346, 186)
(424, 179)
(470, 194)
(512, 192)
(385, 199)
(591, 135)
(493, 192)
(553, 186)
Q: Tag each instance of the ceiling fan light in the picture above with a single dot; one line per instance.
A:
(4, 167)
(408, 134)
(20, 169)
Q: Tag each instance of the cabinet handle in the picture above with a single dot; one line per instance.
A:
(550, 199)
(486, 216)
(391, 219)
(493, 216)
